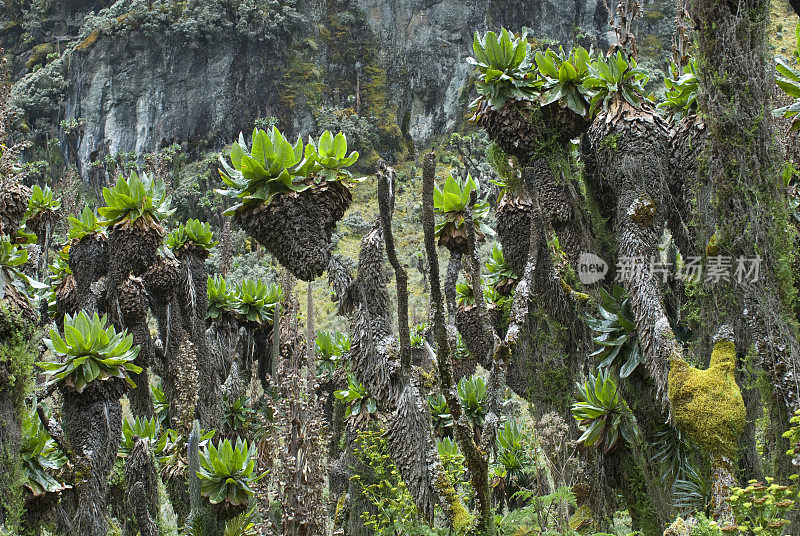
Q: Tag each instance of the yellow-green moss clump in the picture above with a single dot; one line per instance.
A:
(89, 41)
(581, 519)
(707, 404)
(455, 510)
(712, 248)
(39, 56)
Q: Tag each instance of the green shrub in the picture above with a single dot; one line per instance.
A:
(227, 472)
(503, 63)
(761, 507)
(135, 201)
(90, 352)
(602, 414)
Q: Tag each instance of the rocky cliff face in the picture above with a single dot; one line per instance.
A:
(427, 43)
(140, 76)
(136, 94)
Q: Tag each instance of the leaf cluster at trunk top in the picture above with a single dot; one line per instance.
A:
(474, 397)
(681, 91)
(140, 427)
(562, 79)
(465, 296)
(357, 399)
(90, 352)
(85, 225)
(252, 300)
(192, 235)
(40, 201)
(452, 200)
(226, 472)
(256, 301)
(220, 299)
(788, 79)
(503, 63)
(617, 76)
(602, 414)
(135, 201)
(272, 165)
(511, 452)
(578, 81)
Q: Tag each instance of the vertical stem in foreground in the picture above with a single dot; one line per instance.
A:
(477, 459)
(386, 204)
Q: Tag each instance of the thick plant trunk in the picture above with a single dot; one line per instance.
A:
(10, 463)
(297, 227)
(624, 474)
(92, 422)
(748, 213)
(142, 480)
(628, 168)
(88, 260)
(210, 366)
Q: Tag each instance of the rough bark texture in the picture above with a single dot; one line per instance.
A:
(628, 164)
(732, 39)
(297, 227)
(142, 480)
(302, 475)
(132, 313)
(523, 129)
(635, 169)
(364, 300)
(175, 358)
(88, 260)
(92, 422)
(210, 365)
